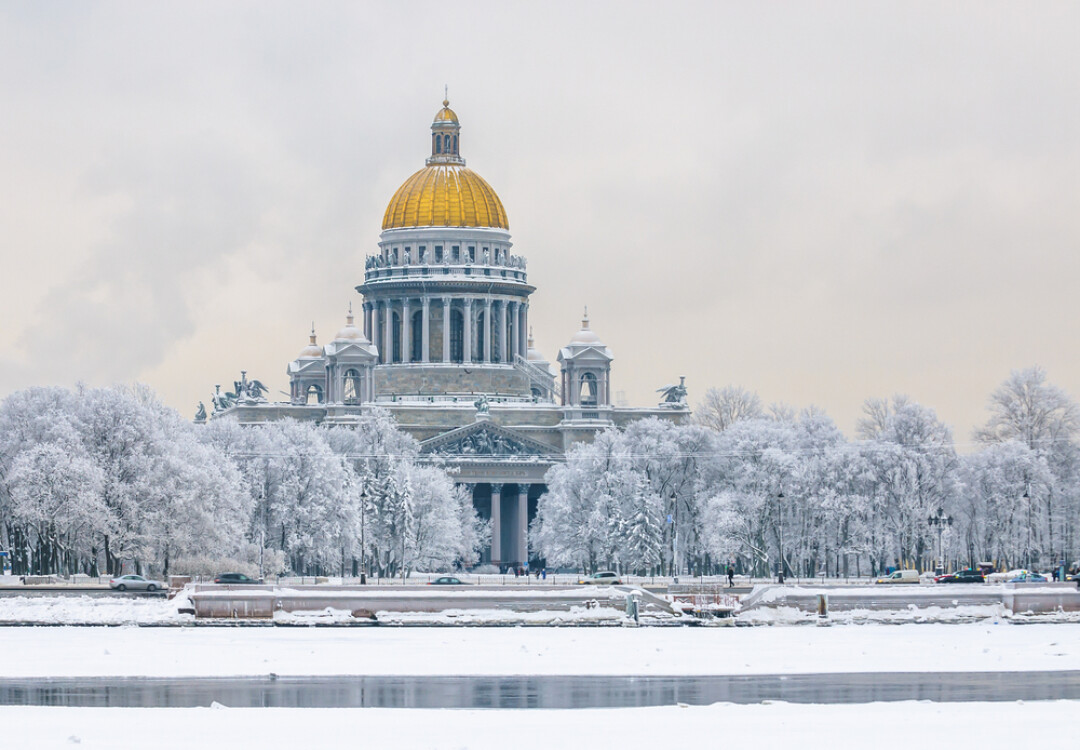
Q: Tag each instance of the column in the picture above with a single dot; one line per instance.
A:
(523, 523)
(488, 328)
(406, 332)
(500, 339)
(496, 523)
(425, 333)
(376, 338)
(524, 330)
(367, 320)
(446, 329)
(388, 334)
(467, 329)
(515, 332)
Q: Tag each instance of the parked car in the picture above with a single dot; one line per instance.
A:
(447, 581)
(1027, 577)
(900, 576)
(235, 578)
(1006, 576)
(132, 582)
(968, 575)
(603, 578)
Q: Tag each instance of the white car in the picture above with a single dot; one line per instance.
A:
(132, 582)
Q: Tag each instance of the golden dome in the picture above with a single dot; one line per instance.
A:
(445, 114)
(445, 195)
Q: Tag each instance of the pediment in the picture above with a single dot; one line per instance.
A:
(594, 353)
(351, 351)
(485, 439)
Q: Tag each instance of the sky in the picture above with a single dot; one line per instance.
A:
(819, 202)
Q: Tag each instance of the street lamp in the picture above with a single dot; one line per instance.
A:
(940, 520)
(363, 540)
(780, 513)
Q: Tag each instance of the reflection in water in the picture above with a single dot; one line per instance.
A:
(536, 691)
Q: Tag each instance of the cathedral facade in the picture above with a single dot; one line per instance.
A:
(444, 343)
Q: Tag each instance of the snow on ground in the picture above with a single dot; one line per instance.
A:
(92, 610)
(990, 645)
(887, 726)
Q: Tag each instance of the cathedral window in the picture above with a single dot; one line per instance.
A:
(481, 330)
(351, 391)
(455, 145)
(438, 254)
(395, 336)
(417, 334)
(421, 254)
(455, 254)
(457, 336)
(314, 394)
(438, 145)
(472, 254)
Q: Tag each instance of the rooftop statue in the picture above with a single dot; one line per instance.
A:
(674, 395)
(200, 413)
(482, 404)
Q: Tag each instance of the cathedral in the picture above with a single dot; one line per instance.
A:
(444, 344)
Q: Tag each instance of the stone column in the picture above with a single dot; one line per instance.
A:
(425, 333)
(523, 523)
(488, 329)
(445, 329)
(376, 329)
(500, 319)
(496, 523)
(388, 334)
(524, 330)
(515, 332)
(406, 331)
(466, 332)
(366, 307)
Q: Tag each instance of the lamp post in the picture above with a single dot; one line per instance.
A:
(940, 520)
(1027, 502)
(780, 514)
(363, 540)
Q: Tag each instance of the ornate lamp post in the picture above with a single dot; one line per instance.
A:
(940, 520)
(780, 513)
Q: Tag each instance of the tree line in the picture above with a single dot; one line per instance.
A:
(773, 489)
(108, 480)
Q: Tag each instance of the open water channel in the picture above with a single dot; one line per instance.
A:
(536, 691)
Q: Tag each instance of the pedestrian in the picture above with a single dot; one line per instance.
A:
(517, 571)
(730, 576)
(543, 573)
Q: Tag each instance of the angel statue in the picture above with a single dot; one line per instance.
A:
(674, 395)
(200, 413)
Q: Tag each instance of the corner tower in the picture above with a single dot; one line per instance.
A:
(445, 301)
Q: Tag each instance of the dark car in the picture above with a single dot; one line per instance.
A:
(969, 575)
(447, 581)
(235, 578)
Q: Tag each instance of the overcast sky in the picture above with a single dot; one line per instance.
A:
(820, 203)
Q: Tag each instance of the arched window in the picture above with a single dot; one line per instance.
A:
(481, 330)
(395, 335)
(314, 394)
(446, 143)
(351, 391)
(588, 389)
(417, 333)
(457, 336)
(455, 144)
(438, 145)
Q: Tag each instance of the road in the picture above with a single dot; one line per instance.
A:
(537, 691)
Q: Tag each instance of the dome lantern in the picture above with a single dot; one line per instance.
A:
(444, 137)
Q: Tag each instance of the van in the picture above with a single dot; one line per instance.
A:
(901, 576)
